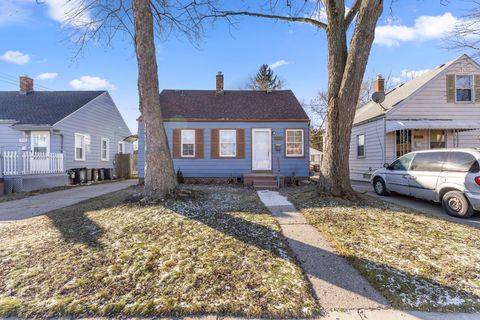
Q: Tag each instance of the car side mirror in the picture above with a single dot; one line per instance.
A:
(386, 165)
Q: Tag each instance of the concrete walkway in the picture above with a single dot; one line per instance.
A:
(43, 203)
(335, 282)
(431, 208)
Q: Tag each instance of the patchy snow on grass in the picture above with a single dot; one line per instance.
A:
(214, 250)
(417, 261)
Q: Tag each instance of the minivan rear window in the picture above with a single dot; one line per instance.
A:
(461, 162)
(428, 161)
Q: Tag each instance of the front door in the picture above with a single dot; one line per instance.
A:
(261, 149)
(40, 147)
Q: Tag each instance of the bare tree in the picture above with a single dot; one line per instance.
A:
(141, 20)
(160, 176)
(347, 60)
(465, 35)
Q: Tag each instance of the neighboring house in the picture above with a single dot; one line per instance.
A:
(217, 135)
(315, 157)
(440, 109)
(45, 133)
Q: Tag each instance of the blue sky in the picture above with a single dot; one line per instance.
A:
(35, 42)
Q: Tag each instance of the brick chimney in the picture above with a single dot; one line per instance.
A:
(219, 89)
(26, 85)
(379, 84)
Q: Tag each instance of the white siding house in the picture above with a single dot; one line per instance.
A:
(440, 109)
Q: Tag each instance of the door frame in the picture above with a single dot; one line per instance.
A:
(269, 130)
(32, 133)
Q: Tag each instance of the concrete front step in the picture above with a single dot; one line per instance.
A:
(265, 187)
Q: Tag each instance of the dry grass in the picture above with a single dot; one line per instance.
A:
(417, 261)
(218, 252)
(23, 195)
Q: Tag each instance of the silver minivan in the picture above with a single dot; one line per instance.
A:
(449, 176)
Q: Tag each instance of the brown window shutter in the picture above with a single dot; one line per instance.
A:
(214, 144)
(177, 143)
(450, 88)
(199, 143)
(240, 143)
(476, 81)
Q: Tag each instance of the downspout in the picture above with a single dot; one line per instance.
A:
(384, 159)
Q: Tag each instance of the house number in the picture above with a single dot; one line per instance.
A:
(22, 140)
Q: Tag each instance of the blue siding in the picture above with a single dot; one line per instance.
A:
(208, 167)
(98, 119)
(10, 139)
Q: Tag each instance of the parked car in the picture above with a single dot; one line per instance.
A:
(449, 176)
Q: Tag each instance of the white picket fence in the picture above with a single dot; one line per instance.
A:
(27, 162)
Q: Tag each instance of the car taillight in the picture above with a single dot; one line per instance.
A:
(477, 180)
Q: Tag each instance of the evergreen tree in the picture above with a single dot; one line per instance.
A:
(265, 79)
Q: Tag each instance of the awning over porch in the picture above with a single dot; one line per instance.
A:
(394, 125)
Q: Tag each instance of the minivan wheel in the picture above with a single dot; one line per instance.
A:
(456, 205)
(379, 187)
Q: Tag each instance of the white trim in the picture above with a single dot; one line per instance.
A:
(269, 146)
(364, 144)
(121, 143)
(220, 143)
(472, 88)
(83, 146)
(181, 144)
(286, 143)
(107, 149)
(33, 133)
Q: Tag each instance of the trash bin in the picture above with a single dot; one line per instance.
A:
(1, 187)
(108, 174)
(80, 175)
(89, 174)
(101, 175)
(94, 175)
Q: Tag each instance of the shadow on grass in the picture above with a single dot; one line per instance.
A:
(74, 224)
(263, 237)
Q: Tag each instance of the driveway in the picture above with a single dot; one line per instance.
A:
(43, 203)
(428, 207)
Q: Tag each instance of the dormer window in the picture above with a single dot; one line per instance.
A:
(463, 88)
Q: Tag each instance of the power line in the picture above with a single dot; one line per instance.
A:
(7, 77)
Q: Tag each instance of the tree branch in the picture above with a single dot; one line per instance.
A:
(311, 21)
(352, 13)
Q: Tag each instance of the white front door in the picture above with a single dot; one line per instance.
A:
(261, 149)
(40, 146)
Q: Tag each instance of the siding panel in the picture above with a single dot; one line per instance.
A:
(98, 119)
(209, 166)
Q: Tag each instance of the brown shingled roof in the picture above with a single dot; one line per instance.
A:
(242, 105)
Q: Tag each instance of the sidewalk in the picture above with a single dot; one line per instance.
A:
(337, 285)
(43, 203)
(340, 290)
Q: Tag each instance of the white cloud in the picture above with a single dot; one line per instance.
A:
(47, 76)
(407, 75)
(411, 74)
(16, 57)
(70, 13)
(12, 11)
(278, 63)
(424, 28)
(91, 83)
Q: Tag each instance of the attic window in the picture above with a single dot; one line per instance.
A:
(463, 88)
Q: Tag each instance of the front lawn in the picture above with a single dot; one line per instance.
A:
(415, 260)
(216, 250)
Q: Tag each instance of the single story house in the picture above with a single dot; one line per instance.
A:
(258, 137)
(45, 133)
(315, 157)
(439, 109)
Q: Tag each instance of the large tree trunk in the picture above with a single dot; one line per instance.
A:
(159, 171)
(345, 75)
